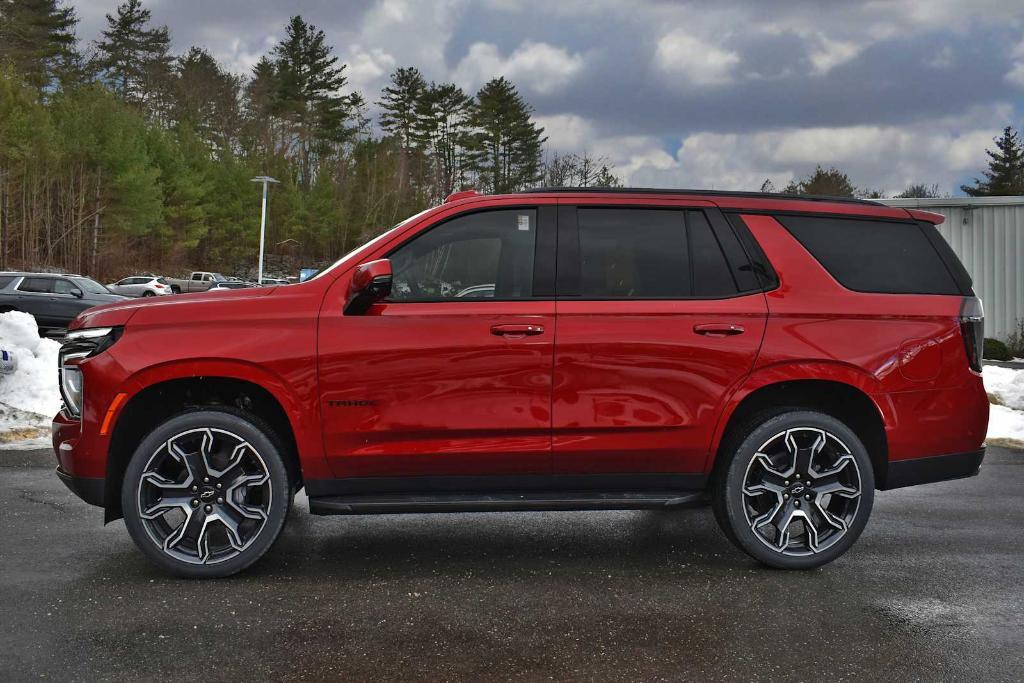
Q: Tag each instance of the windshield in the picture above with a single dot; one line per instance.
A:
(217, 277)
(379, 238)
(90, 286)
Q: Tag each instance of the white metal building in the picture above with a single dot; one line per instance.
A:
(987, 233)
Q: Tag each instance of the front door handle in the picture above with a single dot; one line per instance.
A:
(718, 329)
(517, 330)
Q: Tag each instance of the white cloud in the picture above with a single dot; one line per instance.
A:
(567, 132)
(539, 67)
(831, 53)
(878, 157)
(699, 62)
(366, 68)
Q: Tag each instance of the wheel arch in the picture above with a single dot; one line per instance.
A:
(155, 401)
(845, 395)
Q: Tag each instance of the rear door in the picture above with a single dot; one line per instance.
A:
(36, 297)
(659, 317)
(452, 374)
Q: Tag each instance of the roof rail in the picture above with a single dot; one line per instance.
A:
(709, 193)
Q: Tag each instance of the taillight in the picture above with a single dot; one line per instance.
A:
(972, 329)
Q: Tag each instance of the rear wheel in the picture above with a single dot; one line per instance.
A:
(148, 293)
(798, 490)
(206, 493)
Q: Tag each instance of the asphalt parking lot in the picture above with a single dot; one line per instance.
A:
(933, 590)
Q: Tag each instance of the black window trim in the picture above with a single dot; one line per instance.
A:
(756, 258)
(543, 267)
(568, 256)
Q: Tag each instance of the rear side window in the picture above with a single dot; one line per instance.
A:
(874, 256)
(633, 254)
(6, 280)
(656, 254)
(36, 284)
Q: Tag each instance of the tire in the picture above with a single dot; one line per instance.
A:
(175, 289)
(206, 493)
(764, 504)
(148, 293)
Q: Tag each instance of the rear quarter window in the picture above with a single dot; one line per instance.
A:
(886, 257)
(6, 280)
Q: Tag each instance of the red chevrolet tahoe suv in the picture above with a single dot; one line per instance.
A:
(549, 350)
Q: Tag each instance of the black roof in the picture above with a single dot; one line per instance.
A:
(709, 193)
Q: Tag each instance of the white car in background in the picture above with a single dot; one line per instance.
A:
(140, 285)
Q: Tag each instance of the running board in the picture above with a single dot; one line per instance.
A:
(500, 502)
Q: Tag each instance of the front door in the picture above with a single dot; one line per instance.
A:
(452, 374)
(659, 317)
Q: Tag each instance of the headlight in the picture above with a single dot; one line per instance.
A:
(79, 345)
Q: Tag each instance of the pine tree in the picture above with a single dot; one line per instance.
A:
(400, 112)
(443, 126)
(829, 182)
(207, 100)
(506, 143)
(37, 37)
(1005, 174)
(309, 81)
(768, 186)
(400, 105)
(135, 58)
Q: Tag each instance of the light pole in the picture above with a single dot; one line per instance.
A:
(266, 180)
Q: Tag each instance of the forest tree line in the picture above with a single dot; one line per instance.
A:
(118, 156)
(126, 158)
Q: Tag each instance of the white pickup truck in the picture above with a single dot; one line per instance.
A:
(198, 281)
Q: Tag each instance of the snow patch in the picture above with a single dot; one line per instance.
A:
(29, 397)
(1005, 387)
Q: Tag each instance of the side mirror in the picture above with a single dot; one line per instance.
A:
(77, 293)
(370, 283)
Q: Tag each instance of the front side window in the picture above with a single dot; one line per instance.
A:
(63, 286)
(485, 255)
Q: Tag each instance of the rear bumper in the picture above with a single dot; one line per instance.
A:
(89, 489)
(916, 471)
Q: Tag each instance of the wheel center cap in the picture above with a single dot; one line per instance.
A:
(798, 489)
(208, 494)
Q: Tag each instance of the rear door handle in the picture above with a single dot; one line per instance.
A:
(718, 329)
(517, 330)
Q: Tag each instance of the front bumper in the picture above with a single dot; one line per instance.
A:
(914, 471)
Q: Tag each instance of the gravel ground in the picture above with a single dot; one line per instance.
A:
(934, 589)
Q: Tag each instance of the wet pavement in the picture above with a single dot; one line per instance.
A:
(934, 589)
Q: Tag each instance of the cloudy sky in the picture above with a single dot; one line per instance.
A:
(718, 94)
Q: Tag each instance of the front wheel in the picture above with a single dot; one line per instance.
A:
(148, 293)
(206, 493)
(797, 491)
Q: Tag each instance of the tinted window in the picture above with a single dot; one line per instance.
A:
(36, 284)
(197, 276)
(6, 280)
(63, 286)
(633, 253)
(874, 256)
(711, 274)
(480, 255)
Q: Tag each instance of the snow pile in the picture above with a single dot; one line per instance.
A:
(1005, 387)
(29, 396)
